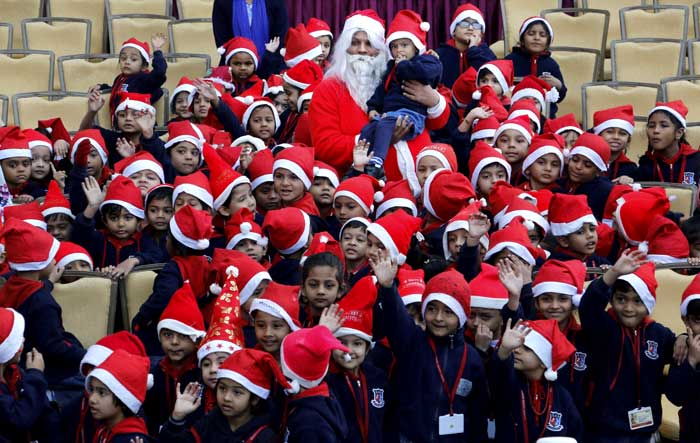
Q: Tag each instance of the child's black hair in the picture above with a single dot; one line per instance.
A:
(622, 286)
(258, 408)
(691, 229)
(112, 209)
(536, 22)
(180, 250)
(163, 193)
(676, 124)
(354, 224)
(694, 308)
(60, 217)
(324, 259)
(120, 404)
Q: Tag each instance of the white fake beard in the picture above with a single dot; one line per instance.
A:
(362, 77)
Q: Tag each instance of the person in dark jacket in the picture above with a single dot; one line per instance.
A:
(532, 56)
(466, 49)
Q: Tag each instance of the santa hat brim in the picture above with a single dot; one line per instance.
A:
(294, 168)
(180, 328)
(243, 381)
(57, 210)
(141, 50)
(13, 342)
(130, 208)
(196, 244)
(342, 332)
(199, 192)
(75, 256)
(474, 15)
(95, 355)
(118, 389)
(397, 203)
(591, 155)
(273, 309)
(448, 301)
(37, 265)
(383, 236)
(641, 289)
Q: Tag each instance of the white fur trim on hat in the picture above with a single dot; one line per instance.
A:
(528, 113)
(437, 154)
(302, 240)
(484, 133)
(75, 256)
(136, 106)
(321, 33)
(145, 165)
(273, 309)
(295, 83)
(142, 51)
(563, 129)
(531, 93)
(465, 15)
(265, 178)
(184, 138)
(189, 89)
(294, 168)
(405, 34)
(484, 302)
(383, 236)
(221, 199)
(100, 149)
(201, 193)
(554, 287)
(289, 373)
(19, 152)
(493, 69)
(255, 141)
(131, 209)
(302, 98)
(397, 203)
(354, 197)
(662, 258)
(361, 22)
(37, 265)
(411, 298)
(684, 304)
(451, 227)
(541, 347)
(13, 341)
(591, 155)
(562, 229)
(243, 381)
(506, 126)
(247, 291)
(94, 356)
(118, 389)
(308, 55)
(234, 51)
(191, 243)
(531, 20)
(257, 238)
(448, 301)
(516, 248)
(328, 174)
(253, 106)
(614, 123)
(342, 332)
(486, 162)
(671, 111)
(426, 191)
(541, 152)
(180, 328)
(41, 224)
(57, 210)
(216, 346)
(39, 144)
(641, 289)
(534, 217)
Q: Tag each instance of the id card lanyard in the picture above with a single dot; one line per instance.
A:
(545, 411)
(451, 393)
(361, 405)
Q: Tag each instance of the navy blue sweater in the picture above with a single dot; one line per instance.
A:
(214, 428)
(454, 62)
(615, 384)
(20, 417)
(315, 419)
(683, 168)
(526, 64)
(144, 82)
(423, 400)
(286, 271)
(682, 390)
(597, 192)
(388, 96)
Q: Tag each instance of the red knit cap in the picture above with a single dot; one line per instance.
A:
(561, 277)
(483, 155)
(250, 272)
(411, 285)
(27, 212)
(11, 334)
(396, 194)
(618, 117)
(28, 248)
(123, 192)
(299, 161)
(69, 252)
(98, 353)
(239, 45)
(357, 306)
(568, 213)
(361, 190)
(562, 124)
(408, 24)
(222, 179)
(288, 229)
(305, 353)
(487, 290)
(594, 148)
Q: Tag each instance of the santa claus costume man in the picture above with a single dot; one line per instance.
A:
(338, 110)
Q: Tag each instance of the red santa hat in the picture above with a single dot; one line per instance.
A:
(182, 314)
(91, 136)
(273, 85)
(100, 351)
(259, 102)
(260, 169)
(191, 227)
(514, 237)
(143, 48)
(411, 285)
(490, 100)
(364, 221)
(562, 124)
(542, 199)
(303, 74)
(280, 301)
(241, 226)
(236, 45)
(184, 131)
(55, 128)
(534, 87)
(324, 242)
(395, 194)
(483, 155)
(250, 272)
(395, 231)
(618, 117)
(526, 108)
(185, 84)
(222, 75)
(666, 242)
(306, 95)
(676, 108)
(615, 194)
(27, 212)
(365, 20)
(445, 193)
(258, 144)
(484, 128)
(299, 161)
(542, 145)
(318, 28)
(126, 376)
(255, 370)
(520, 124)
(549, 344)
(141, 161)
(11, 334)
(459, 221)
(594, 148)
(443, 152)
(326, 171)
(300, 45)
(502, 70)
(13, 143)
(487, 290)
(464, 12)
(635, 212)
(644, 283)
(135, 102)
(464, 87)
(288, 229)
(123, 192)
(408, 24)
(531, 20)
(222, 179)
(196, 184)
(36, 139)
(529, 212)
(361, 190)
(568, 213)
(691, 293)
(561, 277)
(28, 248)
(451, 289)
(357, 306)
(69, 252)
(500, 196)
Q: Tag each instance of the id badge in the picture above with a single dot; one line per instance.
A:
(464, 387)
(491, 429)
(451, 424)
(640, 418)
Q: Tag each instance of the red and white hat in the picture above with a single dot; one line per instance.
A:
(568, 213)
(300, 45)
(487, 290)
(192, 227)
(222, 179)
(635, 212)
(464, 88)
(443, 152)
(123, 192)
(299, 161)
(618, 117)
(366, 20)
(502, 70)
(305, 355)
(236, 45)
(27, 212)
(318, 28)
(69, 252)
(182, 314)
(256, 142)
(258, 102)
(250, 272)
(13, 143)
(364, 221)
(408, 24)
(196, 184)
(561, 277)
(523, 208)
(488, 99)
(257, 371)
(126, 376)
(411, 285)
(241, 226)
(11, 333)
(28, 248)
(303, 74)
(288, 229)
(530, 20)
(692, 292)
(451, 289)
(464, 12)
(357, 306)
(526, 108)
(36, 139)
(141, 161)
(273, 85)
(143, 48)
(666, 242)
(459, 221)
(500, 196)
(594, 148)
(324, 242)
(542, 199)
(184, 131)
(676, 108)
(483, 155)
(395, 231)
(326, 171)
(534, 87)
(644, 283)
(542, 145)
(280, 301)
(306, 95)
(184, 85)
(396, 194)
(55, 128)
(549, 344)
(514, 237)
(91, 136)
(520, 124)
(98, 353)
(260, 169)
(484, 128)
(562, 124)
(135, 102)
(445, 193)
(361, 190)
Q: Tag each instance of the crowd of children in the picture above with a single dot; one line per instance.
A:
(301, 303)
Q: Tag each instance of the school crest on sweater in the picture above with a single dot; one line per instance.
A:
(554, 421)
(377, 398)
(652, 350)
(580, 361)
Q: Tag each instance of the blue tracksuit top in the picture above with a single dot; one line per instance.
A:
(525, 64)
(454, 62)
(682, 390)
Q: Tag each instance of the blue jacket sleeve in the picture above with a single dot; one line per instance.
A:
(595, 321)
(176, 432)
(423, 68)
(468, 262)
(23, 412)
(271, 63)
(78, 202)
(156, 147)
(156, 78)
(376, 102)
(229, 120)
(479, 54)
(398, 325)
(683, 384)
(166, 283)
(85, 234)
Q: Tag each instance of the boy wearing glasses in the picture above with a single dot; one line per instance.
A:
(466, 47)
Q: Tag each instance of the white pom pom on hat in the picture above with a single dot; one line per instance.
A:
(378, 196)
(425, 26)
(295, 387)
(283, 52)
(643, 247)
(529, 225)
(476, 95)
(246, 227)
(232, 270)
(215, 289)
(550, 375)
(221, 50)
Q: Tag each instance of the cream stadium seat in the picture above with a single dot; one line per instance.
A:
(580, 28)
(118, 7)
(193, 36)
(595, 96)
(30, 107)
(686, 88)
(578, 66)
(25, 71)
(646, 60)
(188, 9)
(14, 11)
(86, 9)
(135, 289)
(683, 200)
(6, 32)
(139, 26)
(80, 72)
(689, 4)
(669, 21)
(186, 65)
